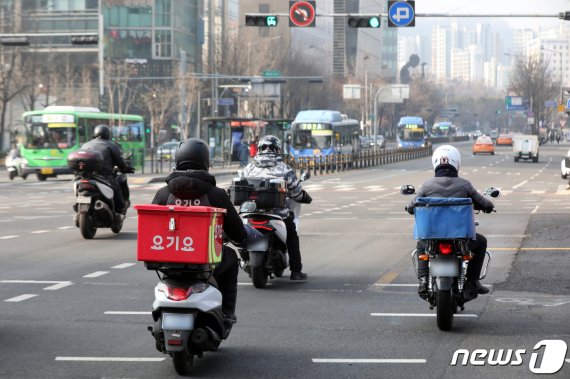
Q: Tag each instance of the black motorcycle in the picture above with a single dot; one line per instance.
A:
(94, 205)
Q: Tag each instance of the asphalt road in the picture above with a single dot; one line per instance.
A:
(358, 315)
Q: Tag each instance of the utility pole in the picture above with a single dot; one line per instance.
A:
(182, 82)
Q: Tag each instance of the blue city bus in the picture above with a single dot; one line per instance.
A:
(322, 133)
(411, 132)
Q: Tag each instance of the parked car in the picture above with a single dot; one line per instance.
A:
(505, 140)
(484, 144)
(167, 150)
(380, 141)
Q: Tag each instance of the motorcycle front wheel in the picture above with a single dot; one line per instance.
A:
(258, 276)
(85, 226)
(183, 361)
(445, 309)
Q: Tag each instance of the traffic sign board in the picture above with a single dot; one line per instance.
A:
(271, 73)
(302, 13)
(568, 103)
(226, 101)
(401, 13)
(516, 103)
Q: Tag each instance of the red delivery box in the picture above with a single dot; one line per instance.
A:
(178, 234)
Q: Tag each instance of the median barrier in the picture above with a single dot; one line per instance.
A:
(320, 165)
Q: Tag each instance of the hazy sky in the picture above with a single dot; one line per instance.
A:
(498, 7)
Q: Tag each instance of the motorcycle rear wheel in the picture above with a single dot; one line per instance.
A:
(258, 276)
(445, 309)
(85, 226)
(183, 361)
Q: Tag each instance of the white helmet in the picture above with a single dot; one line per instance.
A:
(446, 154)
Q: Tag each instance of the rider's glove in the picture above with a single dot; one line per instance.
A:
(130, 170)
(306, 199)
(408, 209)
(488, 210)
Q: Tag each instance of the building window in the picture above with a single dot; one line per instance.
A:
(162, 44)
(162, 13)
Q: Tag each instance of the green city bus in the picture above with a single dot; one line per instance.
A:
(56, 131)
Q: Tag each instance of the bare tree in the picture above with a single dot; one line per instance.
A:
(9, 88)
(161, 103)
(532, 80)
(121, 91)
(191, 88)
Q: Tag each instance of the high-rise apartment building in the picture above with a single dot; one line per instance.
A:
(441, 52)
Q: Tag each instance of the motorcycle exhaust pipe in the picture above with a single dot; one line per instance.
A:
(102, 207)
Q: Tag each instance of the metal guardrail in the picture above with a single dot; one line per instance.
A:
(322, 165)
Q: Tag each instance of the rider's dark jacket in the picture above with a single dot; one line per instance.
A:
(197, 187)
(111, 155)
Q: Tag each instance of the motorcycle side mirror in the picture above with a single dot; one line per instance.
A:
(493, 192)
(407, 189)
(248, 207)
(306, 175)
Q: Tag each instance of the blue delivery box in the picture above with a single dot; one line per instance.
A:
(444, 218)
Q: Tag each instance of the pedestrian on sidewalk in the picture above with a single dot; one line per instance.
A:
(243, 153)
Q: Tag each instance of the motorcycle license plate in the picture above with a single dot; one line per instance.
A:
(177, 321)
(47, 171)
(83, 200)
(443, 268)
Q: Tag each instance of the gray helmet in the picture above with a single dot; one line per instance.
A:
(269, 145)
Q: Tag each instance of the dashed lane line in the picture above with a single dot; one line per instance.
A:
(8, 237)
(96, 274)
(123, 265)
(17, 299)
(56, 284)
(127, 313)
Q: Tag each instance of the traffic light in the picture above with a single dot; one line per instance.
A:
(364, 22)
(261, 20)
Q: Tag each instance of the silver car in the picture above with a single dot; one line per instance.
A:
(167, 150)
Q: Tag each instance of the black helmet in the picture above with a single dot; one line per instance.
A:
(269, 145)
(193, 154)
(102, 131)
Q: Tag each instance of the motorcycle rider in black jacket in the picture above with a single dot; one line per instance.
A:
(111, 157)
(191, 184)
(446, 161)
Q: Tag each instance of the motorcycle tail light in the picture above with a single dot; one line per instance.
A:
(467, 257)
(177, 293)
(445, 247)
(175, 342)
(258, 222)
(423, 257)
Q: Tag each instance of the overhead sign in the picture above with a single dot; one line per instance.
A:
(401, 13)
(516, 103)
(550, 104)
(302, 13)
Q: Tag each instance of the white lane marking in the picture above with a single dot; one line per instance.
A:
(40, 231)
(133, 217)
(394, 285)
(20, 298)
(350, 360)
(418, 315)
(56, 284)
(535, 209)
(66, 227)
(124, 265)
(520, 184)
(8, 237)
(96, 274)
(537, 192)
(339, 218)
(249, 284)
(400, 218)
(109, 359)
(127, 313)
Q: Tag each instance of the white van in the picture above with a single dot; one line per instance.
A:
(525, 147)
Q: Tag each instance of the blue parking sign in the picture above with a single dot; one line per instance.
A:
(401, 13)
